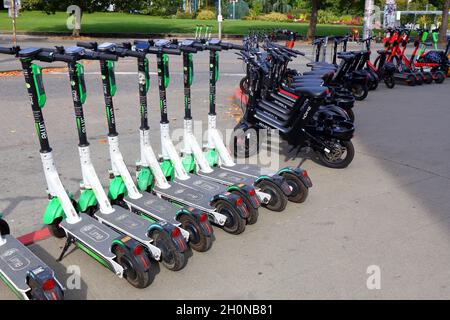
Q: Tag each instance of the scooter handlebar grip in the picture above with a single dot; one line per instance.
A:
(135, 54)
(7, 50)
(237, 47)
(215, 48)
(102, 56)
(87, 45)
(189, 49)
(48, 56)
(171, 51)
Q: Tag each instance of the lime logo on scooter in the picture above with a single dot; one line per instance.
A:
(111, 78)
(38, 85)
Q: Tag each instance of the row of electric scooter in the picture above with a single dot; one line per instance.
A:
(175, 198)
(313, 111)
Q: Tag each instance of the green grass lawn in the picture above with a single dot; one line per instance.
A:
(130, 23)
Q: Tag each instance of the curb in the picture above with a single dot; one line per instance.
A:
(34, 236)
(114, 35)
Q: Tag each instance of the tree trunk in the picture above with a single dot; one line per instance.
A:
(444, 26)
(313, 20)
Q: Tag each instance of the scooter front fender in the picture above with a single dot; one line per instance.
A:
(53, 211)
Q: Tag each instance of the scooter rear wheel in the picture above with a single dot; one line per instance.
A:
(198, 241)
(171, 258)
(299, 190)
(243, 85)
(278, 199)
(360, 91)
(4, 227)
(336, 161)
(234, 224)
(134, 276)
(350, 114)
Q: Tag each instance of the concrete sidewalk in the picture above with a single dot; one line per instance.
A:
(389, 209)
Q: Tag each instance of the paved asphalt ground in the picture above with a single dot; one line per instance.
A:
(390, 208)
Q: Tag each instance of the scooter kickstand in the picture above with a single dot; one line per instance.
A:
(70, 240)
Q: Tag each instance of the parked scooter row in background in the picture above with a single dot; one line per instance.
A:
(315, 109)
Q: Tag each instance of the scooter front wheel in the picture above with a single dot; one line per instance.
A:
(171, 258)
(234, 224)
(56, 230)
(198, 241)
(299, 190)
(389, 82)
(136, 277)
(341, 157)
(4, 227)
(278, 199)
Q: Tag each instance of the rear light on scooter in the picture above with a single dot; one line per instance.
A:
(305, 173)
(138, 250)
(239, 202)
(48, 284)
(203, 217)
(175, 233)
(252, 193)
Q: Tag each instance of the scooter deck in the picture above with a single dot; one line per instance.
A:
(155, 207)
(250, 170)
(228, 177)
(16, 261)
(126, 222)
(93, 234)
(184, 194)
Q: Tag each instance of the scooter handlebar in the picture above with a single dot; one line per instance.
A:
(229, 45)
(12, 50)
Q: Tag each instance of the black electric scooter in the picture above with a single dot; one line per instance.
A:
(329, 138)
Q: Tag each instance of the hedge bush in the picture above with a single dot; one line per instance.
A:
(206, 15)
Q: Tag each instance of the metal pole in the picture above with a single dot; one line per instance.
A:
(13, 7)
(219, 18)
(368, 11)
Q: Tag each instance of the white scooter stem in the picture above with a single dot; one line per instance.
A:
(191, 146)
(91, 181)
(56, 188)
(120, 169)
(148, 159)
(169, 152)
(215, 142)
